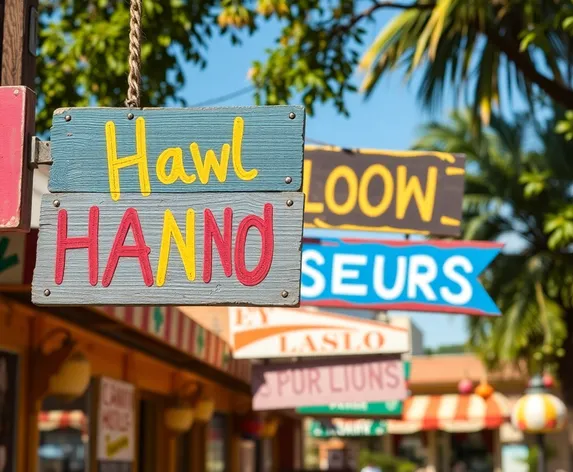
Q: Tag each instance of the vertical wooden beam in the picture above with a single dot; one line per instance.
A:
(18, 58)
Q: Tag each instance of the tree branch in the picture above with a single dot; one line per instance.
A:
(557, 91)
(377, 5)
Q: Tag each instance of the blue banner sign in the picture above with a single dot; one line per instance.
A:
(434, 276)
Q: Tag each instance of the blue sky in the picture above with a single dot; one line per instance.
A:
(390, 119)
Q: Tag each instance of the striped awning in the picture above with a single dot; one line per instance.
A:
(452, 413)
(58, 419)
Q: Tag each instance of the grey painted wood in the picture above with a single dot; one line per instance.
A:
(127, 286)
(273, 139)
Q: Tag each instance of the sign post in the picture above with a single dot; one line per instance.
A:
(18, 20)
(173, 207)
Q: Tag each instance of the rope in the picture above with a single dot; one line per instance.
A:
(134, 77)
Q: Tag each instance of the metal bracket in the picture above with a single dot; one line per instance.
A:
(41, 155)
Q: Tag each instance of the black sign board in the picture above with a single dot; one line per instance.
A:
(389, 191)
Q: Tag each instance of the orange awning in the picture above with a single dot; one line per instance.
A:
(452, 413)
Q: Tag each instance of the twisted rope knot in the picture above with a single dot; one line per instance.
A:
(134, 77)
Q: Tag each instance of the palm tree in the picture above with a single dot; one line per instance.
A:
(519, 191)
(481, 47)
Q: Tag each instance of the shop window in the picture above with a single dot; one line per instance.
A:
(412, 447)
(217, 444)
(474, 450)
(183, 451)
(148, 421)
(64, 434)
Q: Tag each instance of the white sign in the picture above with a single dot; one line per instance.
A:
(116, 422)
(263, 333)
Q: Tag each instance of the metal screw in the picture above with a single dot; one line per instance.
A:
(284, 294)
(56, 203)
(288, 180)
(47, 293)
(130, 116)
(289, 203)
(16, 92)
(291, 115)
(68, 118)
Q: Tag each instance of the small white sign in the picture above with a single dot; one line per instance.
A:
(116, 421)
(263, 333)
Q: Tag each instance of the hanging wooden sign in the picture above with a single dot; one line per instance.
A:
(204, 249)
(387, 191)
(434, 276)
(264, 333)
(285, 386)
(119, 230)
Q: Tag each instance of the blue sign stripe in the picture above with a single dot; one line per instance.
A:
(436, 276)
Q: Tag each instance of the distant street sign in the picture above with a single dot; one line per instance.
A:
(362, 409)
(263, 333)
(173, 207)
(285, 386)
(388, 191)
(434, 276)
(340, 427)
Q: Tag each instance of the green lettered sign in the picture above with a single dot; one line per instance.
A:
(393, 408)
(340, 427)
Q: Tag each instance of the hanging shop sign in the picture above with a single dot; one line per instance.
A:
(116, 426)
(388, 191)
(363, 409)
(263, 333)
(118, 230)
(16, 130)
(434, 276)
(343, 428)
(8, 410)
(286, 386)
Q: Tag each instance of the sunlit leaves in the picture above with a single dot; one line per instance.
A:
(511, 190)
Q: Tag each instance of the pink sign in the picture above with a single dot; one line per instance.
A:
(286, 386)
(16, 131)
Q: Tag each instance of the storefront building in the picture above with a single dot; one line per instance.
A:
(149, 371)
(440, 426)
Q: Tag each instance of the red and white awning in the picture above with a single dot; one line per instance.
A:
(58, 419)
(452, 413)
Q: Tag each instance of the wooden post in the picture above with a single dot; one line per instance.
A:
(18, 55)
(18, 45)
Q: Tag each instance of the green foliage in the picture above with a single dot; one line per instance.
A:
(447, 349)
(526, 194)
(550, 453)
(471, 47)
(385, 462)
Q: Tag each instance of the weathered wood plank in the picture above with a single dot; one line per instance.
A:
(261, 146)
(278, 216)
(388, 191)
